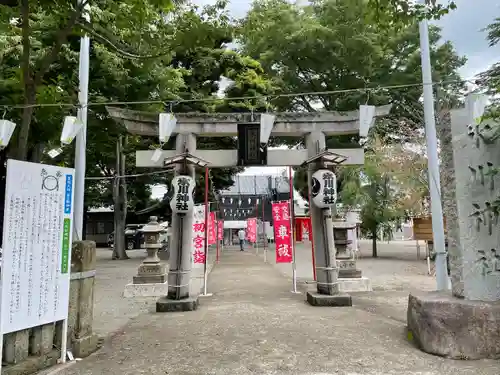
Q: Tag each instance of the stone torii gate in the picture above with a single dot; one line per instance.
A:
(314, 126)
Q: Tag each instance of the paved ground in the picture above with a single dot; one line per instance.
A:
(395, 273)
(111, 310)
(254, 325)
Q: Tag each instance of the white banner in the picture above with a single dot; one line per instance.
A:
(198, 251)
(37, 234)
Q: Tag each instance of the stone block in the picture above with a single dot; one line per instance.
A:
(42, 339)
(149, 279)
(350, 274)
(165, 304)
(147, 269)
(86, 307)
(16, 346)
(155, 273)
(145, 290)
(32, 364)
(347, 268)
(84, 346)
(361, 284)
(441, 324)
(337, 300)
(83, 256)
(346, 264)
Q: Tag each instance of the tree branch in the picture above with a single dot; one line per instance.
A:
(113, 44)
(25, 63)
(61, 38)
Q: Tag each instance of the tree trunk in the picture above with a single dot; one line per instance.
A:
(374, 243)
(85, 219)
(21, 151)
(119, 249)
(36, 153)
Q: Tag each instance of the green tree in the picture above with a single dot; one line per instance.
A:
(386, 193)
(341, 46)
(403, 11)
(39, 59)
(490, 79)
(344, 46)
(189, 59)
(42, 33)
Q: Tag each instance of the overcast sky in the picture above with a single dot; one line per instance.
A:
(462, 27)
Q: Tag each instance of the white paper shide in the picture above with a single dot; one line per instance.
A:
(6, 131)
(37, 235)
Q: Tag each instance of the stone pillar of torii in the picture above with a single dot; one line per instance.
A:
(253, 131)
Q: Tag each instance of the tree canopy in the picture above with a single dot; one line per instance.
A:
(140, 51)
(340, 55)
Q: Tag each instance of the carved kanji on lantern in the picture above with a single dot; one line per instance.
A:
(324, 188)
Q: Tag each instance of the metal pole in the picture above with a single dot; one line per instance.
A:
(217, 240)
(292, 233)
(432, 160)
(81, 137)
(311, 238)
(256, 228)
(264, 229)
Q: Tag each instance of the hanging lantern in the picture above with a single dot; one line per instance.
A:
(324, 188)
(182, 200)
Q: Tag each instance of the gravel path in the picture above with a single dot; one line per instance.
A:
(254, 325)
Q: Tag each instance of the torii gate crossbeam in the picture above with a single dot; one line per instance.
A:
(314, 126)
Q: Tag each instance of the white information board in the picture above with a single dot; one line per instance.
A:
(37, 231)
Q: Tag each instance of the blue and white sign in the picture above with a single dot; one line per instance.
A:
(68, 194)
(37, 233)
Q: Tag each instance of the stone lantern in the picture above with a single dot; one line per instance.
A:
(151, 270)
(346, 262)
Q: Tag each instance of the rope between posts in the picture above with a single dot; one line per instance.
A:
(322, 283)
(217, 99)
(129, 175)
(327, 268)
(179, 286)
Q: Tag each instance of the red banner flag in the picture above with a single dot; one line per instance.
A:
(252, 230)
(211, 228)
(282, 232)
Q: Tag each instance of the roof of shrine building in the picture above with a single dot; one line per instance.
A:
(257, 185)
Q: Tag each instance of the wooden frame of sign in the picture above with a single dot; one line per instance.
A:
(250, 151)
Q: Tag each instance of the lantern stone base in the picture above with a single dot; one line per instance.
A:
(145, 290)
(347, 269)
(164, 304)
(359, 284)
(337, 300)
(443, 325)
(151, 273)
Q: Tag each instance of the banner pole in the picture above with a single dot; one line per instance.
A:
(217, 238)
(292, 233)
(311, 238)
(256, 228)
(264, 230)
